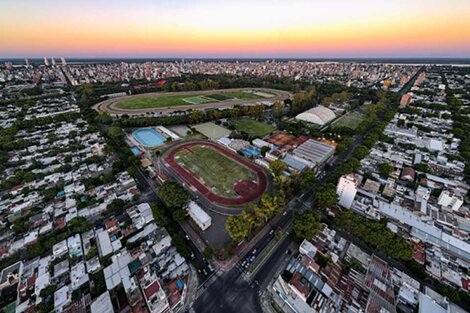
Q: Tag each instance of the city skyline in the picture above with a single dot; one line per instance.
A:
(242, 29)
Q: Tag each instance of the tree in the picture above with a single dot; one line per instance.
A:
(116, 206)
(79, 225)
(325, 196)
(385, 169)
(306, 225)
(131, 170)
(208, 253)
(181, 245)
(173, 195)
(422, 167)
(160, 216)
(360, 152)
(277, 167)
(115, 132)
(180, 215)
(264, 150)
(375, 234)
(305, 180)
(236, 228)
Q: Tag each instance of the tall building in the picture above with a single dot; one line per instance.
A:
(62, 59)
(346, 190)
(53, 61)
(26, 62)
(46, 61)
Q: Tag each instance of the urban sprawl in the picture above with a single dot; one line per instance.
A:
(234, 186)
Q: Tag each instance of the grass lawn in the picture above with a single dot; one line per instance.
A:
(253, 127)
(153, 102)
(220, 97)
(242, 95)
(350, 120)
(218, 172)
(198, 100)
(157, 101)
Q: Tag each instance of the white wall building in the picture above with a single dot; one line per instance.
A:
(346, 190)
(199, 216)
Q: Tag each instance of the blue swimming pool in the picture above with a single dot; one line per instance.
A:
(135, 150)
(148, 137)
(251, 152)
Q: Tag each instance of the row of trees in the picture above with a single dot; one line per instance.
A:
(306, 225)
(243, 225)
(375, 234)
(193, 117)
(460, 127)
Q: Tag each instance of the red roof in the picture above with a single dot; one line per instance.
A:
(299, 282)
(465, 283)
(3, 250)
(152, 289)
(17, 188)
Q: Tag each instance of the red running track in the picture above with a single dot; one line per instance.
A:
(192, 180)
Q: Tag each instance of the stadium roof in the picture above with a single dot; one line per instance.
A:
(317, 115)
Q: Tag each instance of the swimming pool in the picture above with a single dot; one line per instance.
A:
(251, 152)
(135, 150)
(148, 137)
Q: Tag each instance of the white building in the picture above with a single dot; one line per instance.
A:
(102, 304)
(346, 190)
(449, 201)
(104, 243)
(317, 115)
(199, 216)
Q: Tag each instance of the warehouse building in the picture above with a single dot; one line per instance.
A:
(314, 151)
(199, 216)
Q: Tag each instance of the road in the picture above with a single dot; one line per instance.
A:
(231, 293)
(111, 105)
(149, 194)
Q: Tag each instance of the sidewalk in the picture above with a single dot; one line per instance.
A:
(194, 236)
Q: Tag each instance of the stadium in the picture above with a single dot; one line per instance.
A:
(221, 176)
(163, 103)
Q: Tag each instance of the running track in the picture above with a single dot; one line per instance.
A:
(192, 180)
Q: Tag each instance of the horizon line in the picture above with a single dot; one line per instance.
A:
(236, 57)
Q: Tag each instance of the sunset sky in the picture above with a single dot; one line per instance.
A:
(242, 28)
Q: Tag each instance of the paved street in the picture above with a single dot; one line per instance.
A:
(229, 291)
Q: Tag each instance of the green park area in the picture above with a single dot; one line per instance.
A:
(218, 172)
(350, 120)
(252, 127)
(170, 100)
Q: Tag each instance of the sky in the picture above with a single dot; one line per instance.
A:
(241, 28)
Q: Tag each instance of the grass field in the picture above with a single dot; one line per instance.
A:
(350, 120)
(252, 127)
(198, 100)
(153, 101)
(218, 172)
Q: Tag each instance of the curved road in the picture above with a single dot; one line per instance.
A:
(111, 105)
